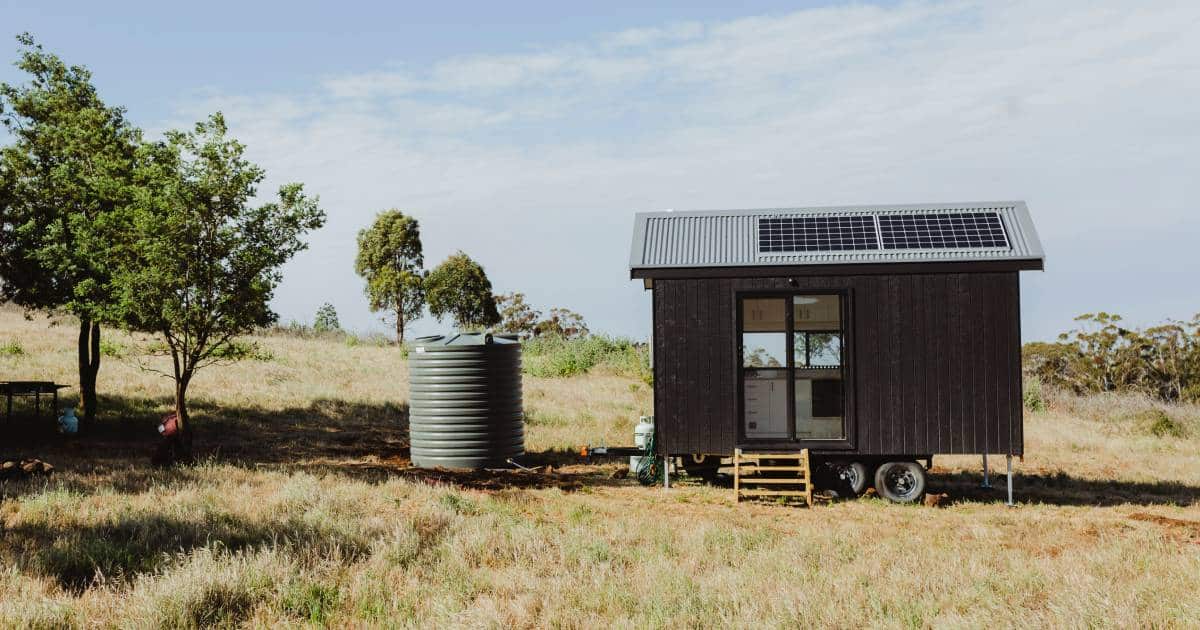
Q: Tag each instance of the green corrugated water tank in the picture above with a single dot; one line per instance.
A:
(465, 402)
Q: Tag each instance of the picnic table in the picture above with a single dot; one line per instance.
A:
(30, 389)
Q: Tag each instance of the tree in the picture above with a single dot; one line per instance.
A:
(390, 260)
(516, 316)
(200, 263)
(563, 323)
(66, 176)
(459, 288)
(327, 319)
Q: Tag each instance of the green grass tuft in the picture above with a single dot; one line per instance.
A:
(556, 357)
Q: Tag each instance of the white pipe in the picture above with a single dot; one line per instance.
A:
(987, 481)
(1010, 497)
(666, 472)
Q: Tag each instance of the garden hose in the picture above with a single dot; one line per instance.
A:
(649, 470)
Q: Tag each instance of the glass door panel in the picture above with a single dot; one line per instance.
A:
(765, 368)
(817, 358)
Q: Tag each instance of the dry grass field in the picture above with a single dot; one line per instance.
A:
(302, 512)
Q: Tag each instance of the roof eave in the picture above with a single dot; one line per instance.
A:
(838, 269)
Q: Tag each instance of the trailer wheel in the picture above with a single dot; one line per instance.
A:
(900, 482)
(702, 467)
(849, 479)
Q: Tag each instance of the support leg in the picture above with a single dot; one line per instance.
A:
(37, 406)
(737, 475)
(1010, 496)
(666, 471)
(987, 480)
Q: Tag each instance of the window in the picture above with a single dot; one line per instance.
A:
(792, 358)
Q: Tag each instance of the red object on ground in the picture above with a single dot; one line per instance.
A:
(169, 425)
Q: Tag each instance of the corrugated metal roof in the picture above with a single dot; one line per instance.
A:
(729, 238)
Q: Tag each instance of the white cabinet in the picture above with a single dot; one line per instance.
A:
(766, 407)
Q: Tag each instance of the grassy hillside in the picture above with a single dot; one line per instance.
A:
(303, 512)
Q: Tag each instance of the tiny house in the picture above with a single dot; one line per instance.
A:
(873, 336)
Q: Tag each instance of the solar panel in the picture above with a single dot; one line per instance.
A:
(942, 231)
(817, 234)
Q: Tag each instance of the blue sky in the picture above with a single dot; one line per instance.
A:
(528, 134)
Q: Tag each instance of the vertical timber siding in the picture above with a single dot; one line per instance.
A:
(935, 365)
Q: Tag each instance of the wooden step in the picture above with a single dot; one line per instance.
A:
(746, 475)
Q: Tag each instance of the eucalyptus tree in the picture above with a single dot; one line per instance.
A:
(459, 288)
(391, 261)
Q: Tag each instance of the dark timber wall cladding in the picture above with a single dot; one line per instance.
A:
(933, 361)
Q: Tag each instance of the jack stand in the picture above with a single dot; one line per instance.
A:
(1010, 496)
(987, 480)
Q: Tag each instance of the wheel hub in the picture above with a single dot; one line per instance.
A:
(849, 474)
(901, 481)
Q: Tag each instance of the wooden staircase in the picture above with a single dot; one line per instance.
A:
(748, 469)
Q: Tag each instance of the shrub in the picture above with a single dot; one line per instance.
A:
(113, 349)
(556, 356)
(1032, 395)
(242, 350)
(1102, 356)
(1157, 423)
(11, 349)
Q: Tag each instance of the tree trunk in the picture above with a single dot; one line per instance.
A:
(399, 327)
(89, 367)
(182, 420)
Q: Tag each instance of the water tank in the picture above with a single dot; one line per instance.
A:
(465, 402)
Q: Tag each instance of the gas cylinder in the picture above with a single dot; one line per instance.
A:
(641, 434)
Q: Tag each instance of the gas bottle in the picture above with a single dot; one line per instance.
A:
(641, 434)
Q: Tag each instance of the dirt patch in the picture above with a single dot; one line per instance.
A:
(495, 480)
(1190, 530)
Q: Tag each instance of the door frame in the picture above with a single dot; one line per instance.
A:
(848, 381)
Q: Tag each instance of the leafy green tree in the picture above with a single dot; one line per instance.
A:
(327, 319)
(459, 288)
(516, 315)
(200, 262)
(391, 261)
(65, 178)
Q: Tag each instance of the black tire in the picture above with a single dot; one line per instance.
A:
(900, 482)
(847, 479)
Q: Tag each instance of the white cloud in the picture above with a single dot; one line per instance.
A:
(533, 162)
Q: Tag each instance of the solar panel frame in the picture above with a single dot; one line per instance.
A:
(836, 233)
(943, 230)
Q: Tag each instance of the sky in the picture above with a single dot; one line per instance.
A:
(528, 134)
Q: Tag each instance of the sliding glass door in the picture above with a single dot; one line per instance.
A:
(792, 367)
